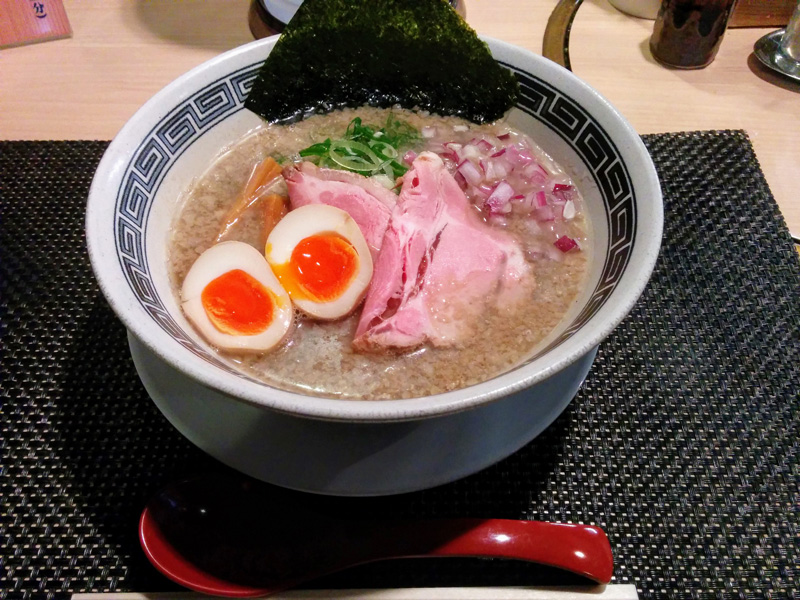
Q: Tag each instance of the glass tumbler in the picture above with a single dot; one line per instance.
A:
(790, 42)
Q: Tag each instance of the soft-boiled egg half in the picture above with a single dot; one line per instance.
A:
(322, 259)
(235, 301)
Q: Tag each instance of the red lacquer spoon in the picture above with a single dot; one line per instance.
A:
(233, 538)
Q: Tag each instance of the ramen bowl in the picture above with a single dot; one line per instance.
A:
(360, 447)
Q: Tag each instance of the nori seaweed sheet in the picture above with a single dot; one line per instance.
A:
(415, 53)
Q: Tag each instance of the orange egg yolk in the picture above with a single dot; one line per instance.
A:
(238, 304)
(320, 269)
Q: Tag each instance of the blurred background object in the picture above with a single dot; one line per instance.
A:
(268, 17)
(740, 14)
(790, 41)
(31, 21)
(688, 33)
(761, 13)
(747, 13)
(780, 50)
(644, 9)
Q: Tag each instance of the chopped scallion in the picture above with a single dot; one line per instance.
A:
(366, 150)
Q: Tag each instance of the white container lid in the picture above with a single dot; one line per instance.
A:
(644, 9)
(283, 10)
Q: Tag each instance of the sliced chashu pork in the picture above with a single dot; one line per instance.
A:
(440, 266)
(366, 201)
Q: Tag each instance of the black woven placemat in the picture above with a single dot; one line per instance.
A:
(682, 444)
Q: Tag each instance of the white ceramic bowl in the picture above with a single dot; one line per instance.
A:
(359, 447)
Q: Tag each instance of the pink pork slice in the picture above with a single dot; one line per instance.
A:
(366, 201)
(439, 268)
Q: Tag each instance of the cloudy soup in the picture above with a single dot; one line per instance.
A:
(465, 245)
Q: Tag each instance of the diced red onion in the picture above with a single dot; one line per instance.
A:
(498, 201)
(565, 243)
(450, 155)
(534, 252)
(535, 173)
(462, 183)
(568, 211)
(470, 172)
(512, 154)
(520, 203)
(563, 192)
(526, 202)
(519, 158)
(503, 177)
(485, 189)
(544, 214)
(501, 168)
(483, 144)
(409, 157)
(471, 151)
(477, 192)
(537, 251)
(526, 156)
(488, 170)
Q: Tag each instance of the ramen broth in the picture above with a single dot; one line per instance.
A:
(318, 358)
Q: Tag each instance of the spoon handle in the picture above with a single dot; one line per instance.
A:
(581, 549)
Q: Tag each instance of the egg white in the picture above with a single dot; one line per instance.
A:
(315, 219)
(218, 260)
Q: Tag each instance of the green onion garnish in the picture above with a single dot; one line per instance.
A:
(366, 150)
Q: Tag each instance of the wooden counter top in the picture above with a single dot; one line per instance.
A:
(122, 52)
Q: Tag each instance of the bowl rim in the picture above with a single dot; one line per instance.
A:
(121, 151)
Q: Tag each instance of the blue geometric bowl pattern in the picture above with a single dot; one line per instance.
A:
(188, 121)
(159, 150)
(585, 136)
